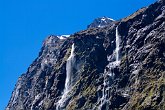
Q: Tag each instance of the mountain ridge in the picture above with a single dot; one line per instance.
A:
(137, 83)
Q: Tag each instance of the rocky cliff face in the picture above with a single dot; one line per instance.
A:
(120, 66)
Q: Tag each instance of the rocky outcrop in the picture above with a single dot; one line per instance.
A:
(136, 83)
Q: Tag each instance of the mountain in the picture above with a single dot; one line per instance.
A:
(120, 66)
(101, 22)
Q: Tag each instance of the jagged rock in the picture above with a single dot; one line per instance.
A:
(138, 82)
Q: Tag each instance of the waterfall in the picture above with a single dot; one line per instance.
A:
(69, 68)
(68, 81)
(117, 45)
(108, 76)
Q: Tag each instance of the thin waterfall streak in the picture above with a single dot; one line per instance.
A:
(117, 45)
(69, 67)
(109, 75)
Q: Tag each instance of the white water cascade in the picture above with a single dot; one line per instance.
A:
(68, 81)
(117, 46)
(108, 77)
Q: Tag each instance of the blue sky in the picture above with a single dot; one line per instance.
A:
(25, 24)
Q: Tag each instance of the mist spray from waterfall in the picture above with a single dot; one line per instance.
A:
(68, 81)
(108, 76)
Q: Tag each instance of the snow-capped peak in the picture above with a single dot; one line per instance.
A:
(106, 18)
(63, 36)
(101, 22)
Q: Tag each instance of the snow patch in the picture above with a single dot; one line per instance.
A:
(62, 37)
(104, 19)
(111, 19)
(66, 35)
